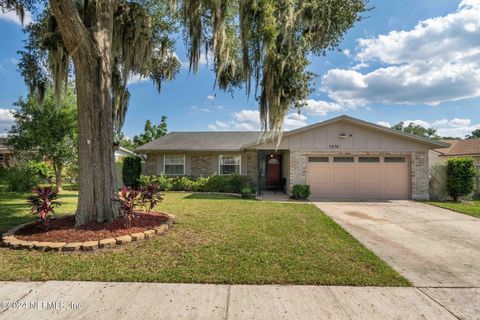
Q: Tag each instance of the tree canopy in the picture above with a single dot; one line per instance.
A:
(264, 44)
(150, 133)
(474, 134)
(417, 129)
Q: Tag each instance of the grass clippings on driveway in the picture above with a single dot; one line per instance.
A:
(217, 239)
(472, 208)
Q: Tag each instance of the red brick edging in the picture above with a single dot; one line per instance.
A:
(9, 240)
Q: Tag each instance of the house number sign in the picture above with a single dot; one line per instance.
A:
(333, 146)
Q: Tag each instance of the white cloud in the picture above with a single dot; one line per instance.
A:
(459, 122)
(136, 78)
(320, 107)
(11, 16)
(347, 52)
(436, 61)
(249, 120)
(422, 123)
(448, 128)
(384, 123)
(210, 97)
(6, 120)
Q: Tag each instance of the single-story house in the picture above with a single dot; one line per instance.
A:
(341, 158)
(5, 154)
(438, 158)
(122, 152)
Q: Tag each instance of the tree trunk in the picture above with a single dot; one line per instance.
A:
(90, 49)
(58, 176)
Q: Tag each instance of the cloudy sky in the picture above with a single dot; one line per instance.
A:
(412, 60)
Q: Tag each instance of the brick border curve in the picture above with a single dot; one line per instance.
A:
(9, 240)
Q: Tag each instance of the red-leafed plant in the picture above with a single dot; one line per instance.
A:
(128, 199)
(43, 203)
(150, 196)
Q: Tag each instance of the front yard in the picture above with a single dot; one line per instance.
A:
(217, 239)
(472, 208)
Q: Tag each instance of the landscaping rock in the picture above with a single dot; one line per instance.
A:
(161, 229)
(123, 239)
(29, 245)
(7, 239)
(149, 233)
(56, 246)
(110, 242)
(42, 246)
(89, 245)
(137, 236)
(74, 246)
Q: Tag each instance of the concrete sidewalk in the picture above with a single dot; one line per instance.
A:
(99, 300)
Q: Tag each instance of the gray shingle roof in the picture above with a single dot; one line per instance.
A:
(201, 141)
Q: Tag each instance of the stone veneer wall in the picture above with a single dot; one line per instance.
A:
(420, 176)
(252, 170)
(419, 171)
(298, 168)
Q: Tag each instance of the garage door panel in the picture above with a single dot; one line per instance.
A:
(359, 180)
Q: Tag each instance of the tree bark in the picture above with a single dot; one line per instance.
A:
(90, 49)
(58, 176)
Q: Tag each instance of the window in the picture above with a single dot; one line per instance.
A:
(2, 157)
(343, 159)
(229, 164)
(368, 159)
(318, 159)
(394, 159)
(174, 165)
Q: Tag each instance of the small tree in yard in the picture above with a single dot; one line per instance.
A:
(131, 171)
(461, 173)
(46, 132)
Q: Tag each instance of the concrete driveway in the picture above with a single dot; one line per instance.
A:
(430, 246)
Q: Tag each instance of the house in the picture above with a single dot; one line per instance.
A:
(5, 154)
(122, 152)
(341, 158)
(438, 158)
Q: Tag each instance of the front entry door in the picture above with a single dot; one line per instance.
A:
(274, 171)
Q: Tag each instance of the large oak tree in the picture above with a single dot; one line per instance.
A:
(262, 45)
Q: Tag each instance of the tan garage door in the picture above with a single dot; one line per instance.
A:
(359, 177)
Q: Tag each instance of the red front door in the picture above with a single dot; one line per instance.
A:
(274, 171)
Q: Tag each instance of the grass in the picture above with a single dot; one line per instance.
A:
(472, 208)
(217, 239)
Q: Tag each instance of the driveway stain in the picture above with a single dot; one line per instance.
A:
(362, 215)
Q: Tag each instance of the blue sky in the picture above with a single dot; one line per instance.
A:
(409, 60)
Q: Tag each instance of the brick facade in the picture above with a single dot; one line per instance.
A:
(201, 165)
(298, 168)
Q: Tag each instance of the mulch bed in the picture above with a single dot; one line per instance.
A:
(64, 230)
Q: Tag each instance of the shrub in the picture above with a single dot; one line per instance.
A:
(230, 184)
(128, 199)
(150, 196)
(26, 176)
(131, 171)
(461, 175)
(247, 193)
(42, 170)
(300, 191)
(43, 203)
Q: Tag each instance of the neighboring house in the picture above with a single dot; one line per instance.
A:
(341, 158)
(438, 159)
(122, 152)
(6, 154)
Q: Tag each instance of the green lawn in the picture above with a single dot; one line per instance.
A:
(217, 239)
(472, 208)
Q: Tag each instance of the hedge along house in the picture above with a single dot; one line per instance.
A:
(341, 158)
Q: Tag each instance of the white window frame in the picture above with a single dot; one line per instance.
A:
(173, 155)
(229, 155)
